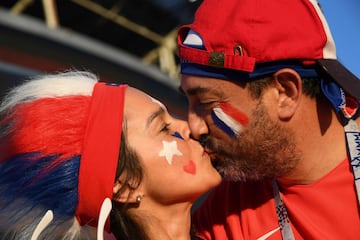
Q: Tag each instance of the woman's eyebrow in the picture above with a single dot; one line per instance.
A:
(154, 115)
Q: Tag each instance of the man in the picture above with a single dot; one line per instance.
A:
(278, 115)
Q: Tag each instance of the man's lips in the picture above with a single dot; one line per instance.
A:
(213, 157)
(209, 152)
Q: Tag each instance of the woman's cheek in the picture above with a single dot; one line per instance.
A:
(169, 150)
(189, 160)
(180, 151)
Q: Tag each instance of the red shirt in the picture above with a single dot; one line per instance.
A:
(326, 209)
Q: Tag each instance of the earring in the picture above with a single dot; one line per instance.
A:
(139, 198)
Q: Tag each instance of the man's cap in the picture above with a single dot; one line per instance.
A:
(258, 37)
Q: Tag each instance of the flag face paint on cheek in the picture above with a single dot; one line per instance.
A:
(229, 119)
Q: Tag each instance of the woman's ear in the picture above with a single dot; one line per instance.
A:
(289, 85)
(128, 194)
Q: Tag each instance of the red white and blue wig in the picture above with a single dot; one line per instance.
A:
(59, 148)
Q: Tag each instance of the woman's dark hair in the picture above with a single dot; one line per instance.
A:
(123, 224)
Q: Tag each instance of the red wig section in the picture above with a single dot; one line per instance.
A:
(48, 125)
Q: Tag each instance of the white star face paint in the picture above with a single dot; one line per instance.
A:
(158, 102)
(169, 150)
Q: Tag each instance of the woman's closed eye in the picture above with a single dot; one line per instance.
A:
(165, 128)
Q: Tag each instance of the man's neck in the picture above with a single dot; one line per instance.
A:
(322, 147)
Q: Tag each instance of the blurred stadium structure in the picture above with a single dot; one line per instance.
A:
(130, 41)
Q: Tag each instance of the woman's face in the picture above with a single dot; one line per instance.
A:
(176, 168)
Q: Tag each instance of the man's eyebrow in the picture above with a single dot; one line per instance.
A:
(193, 91)
(154, 115)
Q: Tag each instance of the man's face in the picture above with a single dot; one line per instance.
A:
(237, 130)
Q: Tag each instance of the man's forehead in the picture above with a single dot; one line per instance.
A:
(192, 81)
(200, 85)
(199, 89)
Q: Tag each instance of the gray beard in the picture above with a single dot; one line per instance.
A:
(264, 150)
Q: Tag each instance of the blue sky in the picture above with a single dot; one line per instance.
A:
(343, 17)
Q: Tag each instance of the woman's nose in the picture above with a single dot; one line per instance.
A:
(198, 126)
(184, 129)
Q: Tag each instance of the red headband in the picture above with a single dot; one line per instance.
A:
(100, 152)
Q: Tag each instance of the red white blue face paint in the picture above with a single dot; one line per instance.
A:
(169, 150)
(229, 119)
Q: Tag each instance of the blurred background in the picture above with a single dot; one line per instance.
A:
(128, 41)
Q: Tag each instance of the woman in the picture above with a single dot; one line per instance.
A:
(73, 150)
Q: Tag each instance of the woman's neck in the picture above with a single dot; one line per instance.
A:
(165, 222)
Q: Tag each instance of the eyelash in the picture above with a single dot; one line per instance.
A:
(175, 134)
(207, 104)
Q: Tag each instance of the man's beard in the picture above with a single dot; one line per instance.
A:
(264, 150)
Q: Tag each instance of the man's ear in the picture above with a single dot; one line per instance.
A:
(289, 85)
(128, 194)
